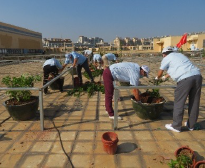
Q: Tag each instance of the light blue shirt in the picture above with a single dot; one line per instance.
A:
(53, 62)
(110, 56)
(126, 72)
(73, 55)
(97, 57)
(178, 66)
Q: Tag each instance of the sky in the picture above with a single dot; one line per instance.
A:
(106, 19)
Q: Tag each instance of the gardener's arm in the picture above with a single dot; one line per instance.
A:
(136, 94)
(159, 74)
(75, 62)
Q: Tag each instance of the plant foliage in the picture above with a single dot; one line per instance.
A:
(182, 161)
(89, 88)
(24, 80)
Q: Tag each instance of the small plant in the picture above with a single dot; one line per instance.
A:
(182, 161)
(89, 88)
(95, 72)
(22, 81)
(155, 92)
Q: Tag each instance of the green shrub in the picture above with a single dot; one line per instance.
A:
(22, 81)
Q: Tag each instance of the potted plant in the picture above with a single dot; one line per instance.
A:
(185, 157)
(151, 104)
(21, 104)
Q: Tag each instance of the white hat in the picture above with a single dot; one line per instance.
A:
(146, 69)
(167, 49)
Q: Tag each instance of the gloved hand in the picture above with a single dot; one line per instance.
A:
(163, 78)
(156, 78)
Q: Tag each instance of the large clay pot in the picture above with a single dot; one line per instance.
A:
(189, 150)
(199, 164)
(110, 140)
(148, 111)
(55, 86)
(25, 111)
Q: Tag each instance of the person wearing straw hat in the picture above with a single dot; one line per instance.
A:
(122, 72)
(80, 61)
(189, 83)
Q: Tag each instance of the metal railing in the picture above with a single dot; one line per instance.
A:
(41, 93)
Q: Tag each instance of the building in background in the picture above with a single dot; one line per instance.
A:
(194, 40)
(18, 40)
(57, 45)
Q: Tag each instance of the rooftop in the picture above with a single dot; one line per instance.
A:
(74, 127)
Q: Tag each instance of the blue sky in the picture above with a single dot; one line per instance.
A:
(105, 18)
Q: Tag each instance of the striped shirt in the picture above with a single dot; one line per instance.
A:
(126, 72)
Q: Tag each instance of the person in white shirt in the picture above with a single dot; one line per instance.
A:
(123, 72)
(97, 60)
(52, 67)
(189, 82)
(108, 57)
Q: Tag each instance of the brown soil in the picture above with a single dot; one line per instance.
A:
(12, 102)
(186, 152)
(146, 98)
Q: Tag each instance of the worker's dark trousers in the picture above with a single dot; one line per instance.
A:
(86, 68)
(109, 90)
(54, 71)
(188, 87)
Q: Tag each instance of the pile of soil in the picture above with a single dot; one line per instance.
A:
(147, 98)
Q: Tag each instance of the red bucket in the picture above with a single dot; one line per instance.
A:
(110, 140)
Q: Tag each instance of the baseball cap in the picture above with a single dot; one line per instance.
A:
(167, 49)
(146, 69)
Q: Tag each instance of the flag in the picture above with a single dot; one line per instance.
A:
(182, 41)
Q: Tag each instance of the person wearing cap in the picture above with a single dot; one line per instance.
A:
(108, 57)
(79, 61)
(88, 54)
(97, 60)
(189, 83)
(122, 72)
(52, 67)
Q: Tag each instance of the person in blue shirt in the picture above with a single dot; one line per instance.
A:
(52, 67)
(108, 57)
(97, 60)
(189, 82)
(122, 72)
(79, 61)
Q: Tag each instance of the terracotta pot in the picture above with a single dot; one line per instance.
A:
(199, 163)
(110, 140)
(76, 82)
(177, 152)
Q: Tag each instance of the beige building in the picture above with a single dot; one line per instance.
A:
(18, 40)
(196, 40)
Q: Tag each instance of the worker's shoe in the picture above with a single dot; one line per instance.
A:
(112, 117)
(169, 127)
(190, 129)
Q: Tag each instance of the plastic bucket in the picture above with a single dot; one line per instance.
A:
(110, 140)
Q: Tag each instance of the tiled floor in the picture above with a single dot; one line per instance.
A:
(74, 127)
